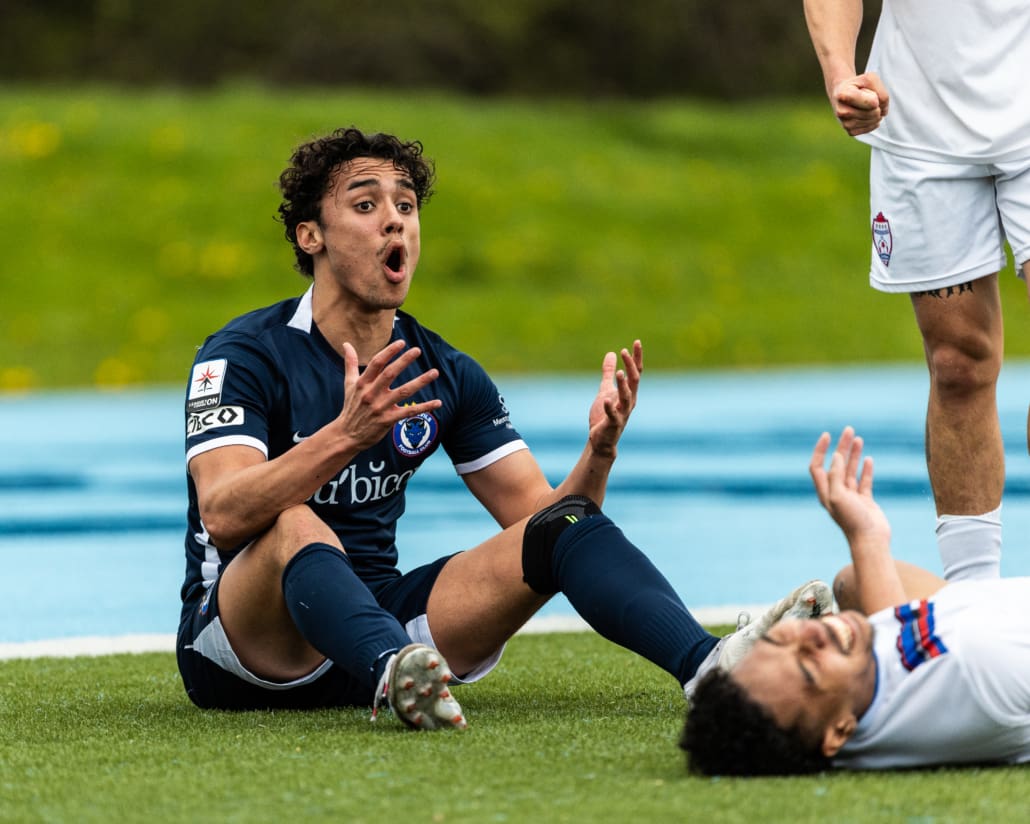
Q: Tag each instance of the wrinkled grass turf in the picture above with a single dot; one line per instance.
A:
(569, 728)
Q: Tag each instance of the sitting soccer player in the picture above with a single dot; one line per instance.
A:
(915, 670)
(304, 422)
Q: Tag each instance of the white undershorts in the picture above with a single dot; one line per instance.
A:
(213, 643)
(941, 224)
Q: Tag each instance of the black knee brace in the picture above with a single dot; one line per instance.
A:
(542, 532)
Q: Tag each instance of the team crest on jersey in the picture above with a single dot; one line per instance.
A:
(206, 385)
(414, 435)
(883, 240)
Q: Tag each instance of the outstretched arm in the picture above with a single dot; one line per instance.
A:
(860, 101)
(846, 491)
(515, 487)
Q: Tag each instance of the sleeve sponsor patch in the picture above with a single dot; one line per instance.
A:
(206, 385)
(199, 422)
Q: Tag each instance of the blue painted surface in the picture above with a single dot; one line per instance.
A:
(711, 481)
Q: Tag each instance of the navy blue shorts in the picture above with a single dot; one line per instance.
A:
(210, 685)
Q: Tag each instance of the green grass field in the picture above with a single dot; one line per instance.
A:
(568, 728)
(135, 223)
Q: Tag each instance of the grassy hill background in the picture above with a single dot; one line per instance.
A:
(135, 223)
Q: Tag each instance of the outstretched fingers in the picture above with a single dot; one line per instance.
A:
(616, 398)
(848, 469)
(865, 486)
(633, 363)
(371, 403)
(627, 381)
(854, 457)
(817, 468)
(387, 365)
(858, 473)
(607, 372)
(845, 489)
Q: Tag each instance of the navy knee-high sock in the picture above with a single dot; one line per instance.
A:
(618, 591)
(337, 614)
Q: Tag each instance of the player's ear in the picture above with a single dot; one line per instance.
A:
(309, 237)
(837, 732)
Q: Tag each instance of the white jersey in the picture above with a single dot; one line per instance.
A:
(958, 74)
(953, 680)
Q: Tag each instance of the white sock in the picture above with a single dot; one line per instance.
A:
(970, 545)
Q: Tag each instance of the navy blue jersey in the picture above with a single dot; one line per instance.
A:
(269, 379)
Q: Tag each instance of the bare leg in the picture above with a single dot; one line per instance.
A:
(1026, 280)
(251, 603)
(480, 600)
(962, 337)
(918, 583)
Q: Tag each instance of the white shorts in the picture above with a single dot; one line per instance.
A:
(214, 645)
(935, 225)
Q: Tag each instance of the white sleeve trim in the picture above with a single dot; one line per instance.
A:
(228, 440)
(490, 457)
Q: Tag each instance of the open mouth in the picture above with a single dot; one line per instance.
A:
(395, 260)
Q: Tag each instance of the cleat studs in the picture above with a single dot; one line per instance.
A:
(417, 693)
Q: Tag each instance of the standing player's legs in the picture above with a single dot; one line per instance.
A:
(937, 236)
(1025, 269)
(962, 338)
(1012, 185)
(483, 596)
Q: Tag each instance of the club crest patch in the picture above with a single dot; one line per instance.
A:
(883, 240)
(414, 435)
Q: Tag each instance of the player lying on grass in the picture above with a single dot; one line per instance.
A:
(916, 670)
(304, 422)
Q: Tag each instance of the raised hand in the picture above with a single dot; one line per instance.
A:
(616, 398)
(372, 405)
(846, 489)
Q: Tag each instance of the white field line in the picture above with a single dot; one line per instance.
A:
(103, 645)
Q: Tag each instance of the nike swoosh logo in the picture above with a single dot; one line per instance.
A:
(297, 437)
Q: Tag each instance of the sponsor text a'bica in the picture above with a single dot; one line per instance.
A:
(362, 488)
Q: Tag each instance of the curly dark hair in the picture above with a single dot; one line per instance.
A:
(310, 175)
(727, 733)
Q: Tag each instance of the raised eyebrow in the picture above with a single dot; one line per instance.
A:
(373, 182)
(362, 183)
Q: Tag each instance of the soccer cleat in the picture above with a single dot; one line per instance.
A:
(810, 600)
(414, 686)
